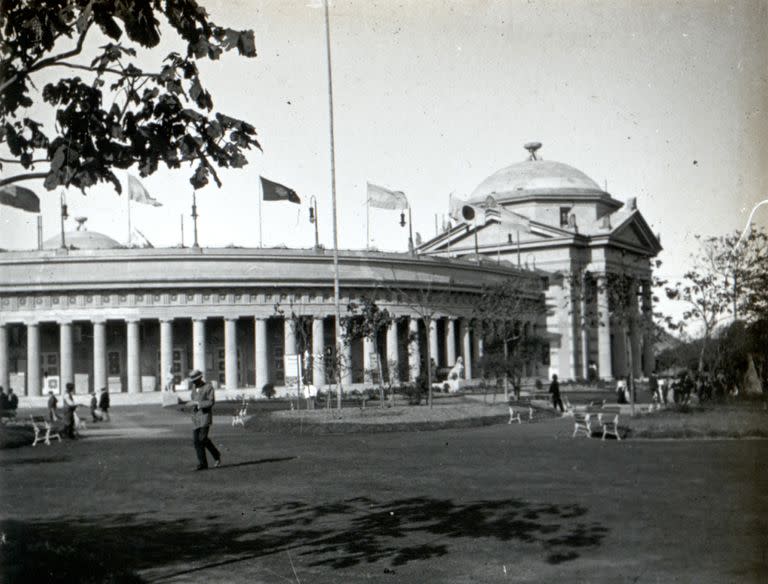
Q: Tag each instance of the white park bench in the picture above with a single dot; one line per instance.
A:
(609, 421)
(582, 423)
(239, 417)
(43, 430)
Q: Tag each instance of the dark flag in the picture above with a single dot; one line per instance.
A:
(20, 198)
(276, 192)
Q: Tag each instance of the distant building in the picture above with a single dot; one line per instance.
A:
(101, 315)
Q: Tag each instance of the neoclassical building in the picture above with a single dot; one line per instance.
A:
(101, 315)
(552, 217)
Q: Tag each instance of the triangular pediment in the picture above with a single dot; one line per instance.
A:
(492, 233)
(635, 233)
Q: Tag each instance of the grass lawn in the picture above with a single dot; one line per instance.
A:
(734, 420)
(497, 503)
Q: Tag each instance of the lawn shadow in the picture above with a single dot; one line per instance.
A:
(260, 461)
(10, 462)
(139, 548)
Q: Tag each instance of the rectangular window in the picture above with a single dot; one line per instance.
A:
(564, 212)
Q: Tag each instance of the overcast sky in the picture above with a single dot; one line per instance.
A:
(663, 101)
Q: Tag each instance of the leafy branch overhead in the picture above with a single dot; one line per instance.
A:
(107, 112)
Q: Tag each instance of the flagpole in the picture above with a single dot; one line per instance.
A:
(367, 221)
(129, 216)
(336, 299)
(181, 217)
(261, 196)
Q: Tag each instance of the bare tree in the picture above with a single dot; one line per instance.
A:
(367, 320)
(501, 311)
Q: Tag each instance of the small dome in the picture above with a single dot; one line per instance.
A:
(535, 177)
(82, 240)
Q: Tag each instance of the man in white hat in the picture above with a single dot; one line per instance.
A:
(202, 401)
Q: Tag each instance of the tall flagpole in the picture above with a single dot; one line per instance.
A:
(336, 299)
(261, 196)
(129, 214)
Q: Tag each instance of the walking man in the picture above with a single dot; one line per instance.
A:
(202, 401)
(554, 389)
(104, 403)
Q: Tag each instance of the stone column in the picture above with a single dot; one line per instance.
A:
(634, 331)
(166, 352)
(289, 346)
(198, 345)
(414, 354)
(318, 352)
(434, 353)
(133, 356)
(4, 376)
(99, 355)
(648, 353)
(261, 356)
(477, 342)
(230, 353)
(450, 342)
(367, 361)
(393, 359)
(66, 366)
(33, 359)
(604, 365)
(346, 362)
(620, 348)
(289, 336)
(466, 348)
(584, 322)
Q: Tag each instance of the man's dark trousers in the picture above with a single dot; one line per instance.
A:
(202, 442)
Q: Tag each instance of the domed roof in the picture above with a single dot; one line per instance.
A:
(82, 240)
(535, 177)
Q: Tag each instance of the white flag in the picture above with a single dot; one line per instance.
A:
(137, 192)
(454, 207)
(386, 199)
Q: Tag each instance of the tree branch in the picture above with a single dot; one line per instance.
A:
(66, 54)
(21, 177)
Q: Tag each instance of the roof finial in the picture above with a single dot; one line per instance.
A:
(532, 147)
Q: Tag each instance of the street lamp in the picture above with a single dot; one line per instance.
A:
(64, 215)
(314, 219)
(410, 228)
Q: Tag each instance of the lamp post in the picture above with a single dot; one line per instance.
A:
(410, 228)
(194, 217)
(64, 215)
(314, 219)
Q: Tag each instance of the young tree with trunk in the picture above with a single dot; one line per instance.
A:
(99, 109)
(366, 320)
(501, 311)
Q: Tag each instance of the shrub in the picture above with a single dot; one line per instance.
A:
(268, 391)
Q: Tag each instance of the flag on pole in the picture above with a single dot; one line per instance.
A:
(455, 205)
(273, 191)
(137, 192)
(386, 199)
(20, 198)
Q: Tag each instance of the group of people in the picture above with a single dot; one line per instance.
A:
(9, 402)
(99, 408)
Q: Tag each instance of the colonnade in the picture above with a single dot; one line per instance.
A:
(469, 344)
(615, 340)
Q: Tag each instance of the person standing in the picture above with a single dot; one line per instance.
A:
(104, 404)
(554, 389)
(202, 401)
(13, 401)
(69, 411)
(95, 416)
(52, 405)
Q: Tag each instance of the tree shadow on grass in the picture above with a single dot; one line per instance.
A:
(339, 535)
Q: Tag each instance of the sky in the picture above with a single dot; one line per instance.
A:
(664, 101)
